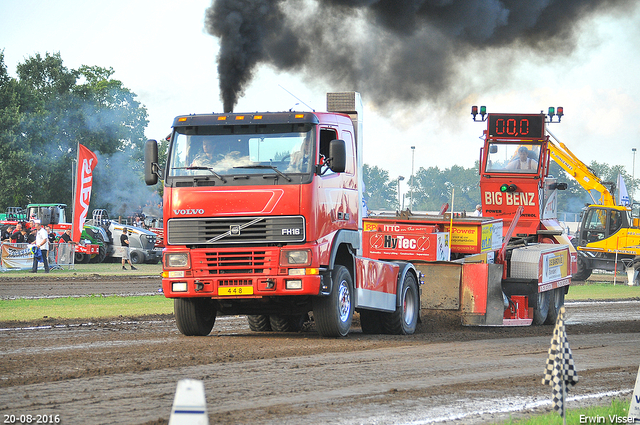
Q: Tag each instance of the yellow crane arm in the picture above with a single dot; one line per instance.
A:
(563, 156)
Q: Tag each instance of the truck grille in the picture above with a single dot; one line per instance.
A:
(236, 262)
(236, 230)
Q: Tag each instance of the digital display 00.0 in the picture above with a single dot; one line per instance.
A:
(505, 126)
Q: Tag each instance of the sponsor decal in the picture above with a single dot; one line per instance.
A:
(198, 211)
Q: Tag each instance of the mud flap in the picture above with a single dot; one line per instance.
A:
(482, 298)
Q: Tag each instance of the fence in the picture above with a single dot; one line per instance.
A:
(18, 256)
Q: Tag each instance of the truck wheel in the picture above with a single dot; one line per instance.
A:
(583, 270)
(333, 313)
(556, 301)
(541, 308)
(259, 322)
(137, 257)
(371, 322)
(194, 316)
(405, 319)
(287, 323)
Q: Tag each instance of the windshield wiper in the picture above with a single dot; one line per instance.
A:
(202, 168)
(278, 172)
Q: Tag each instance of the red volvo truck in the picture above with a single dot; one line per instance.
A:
(263, 216)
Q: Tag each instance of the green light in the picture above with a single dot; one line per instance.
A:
(552, 111)
(505, 187)
(483, 110)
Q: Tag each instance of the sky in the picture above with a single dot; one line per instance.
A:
(161, 51)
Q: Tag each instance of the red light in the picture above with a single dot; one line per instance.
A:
(560, 111)
(474, 110)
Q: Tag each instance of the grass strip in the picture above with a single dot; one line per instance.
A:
(83, 307)
(602, 291)
(615, 413)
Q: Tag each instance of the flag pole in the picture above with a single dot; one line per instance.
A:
(453, 196)
(75, 189)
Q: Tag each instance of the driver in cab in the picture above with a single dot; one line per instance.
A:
(207, 158)
(523, 164)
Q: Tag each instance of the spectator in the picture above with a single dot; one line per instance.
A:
(6, 234)
(52, 235)
(124, 241)
(30, 238)
(477, 212)
(66, 237)
(42, 242)
(18, 235)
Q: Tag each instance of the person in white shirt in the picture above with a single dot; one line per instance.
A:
(523, 164)
(42, 242)
(477, 212)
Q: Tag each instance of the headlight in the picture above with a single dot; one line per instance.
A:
(178, 260)
(299, 258)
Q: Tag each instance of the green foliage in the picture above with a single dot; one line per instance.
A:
(46, 111)
(433, 187)
(380, 193)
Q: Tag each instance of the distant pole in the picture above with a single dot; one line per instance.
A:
(400, 178)
(633, 173)
(413, 151)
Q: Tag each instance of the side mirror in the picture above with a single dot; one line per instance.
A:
(337, 156)
(493, 149)
(151, 162)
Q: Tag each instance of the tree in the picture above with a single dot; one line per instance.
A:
(46, 112)
(380, 193)
(433, 187)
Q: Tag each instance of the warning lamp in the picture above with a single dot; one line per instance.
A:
(483, 112)
(505, 187)
(552, 111)
(560, 113)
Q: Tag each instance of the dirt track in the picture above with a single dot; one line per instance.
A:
(125, 371)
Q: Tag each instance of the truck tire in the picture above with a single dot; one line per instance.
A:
(371, 322)
(405, 319)
(259, 322)
(287, 323)
(555, 303)
(584, 271)
(137, 257)
(194, 316)
(541, 307)
(333, 313)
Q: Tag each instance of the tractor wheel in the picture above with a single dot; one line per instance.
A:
(555, 303)
(259, 322)
(82, 258)
(405, 319)
(137, 257)
(287, 323)
(333, 313)
(99, 258)
(194, 316)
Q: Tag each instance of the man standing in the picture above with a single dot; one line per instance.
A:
(124, 241)
(42, 242)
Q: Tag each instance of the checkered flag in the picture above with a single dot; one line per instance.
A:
(560, 371)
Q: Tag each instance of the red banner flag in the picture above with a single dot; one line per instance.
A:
(87, 161)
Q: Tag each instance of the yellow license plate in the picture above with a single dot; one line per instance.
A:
(235, 290)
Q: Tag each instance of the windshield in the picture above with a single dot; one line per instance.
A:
(512, 158)
(268, 147)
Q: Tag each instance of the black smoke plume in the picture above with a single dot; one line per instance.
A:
(391, 50)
